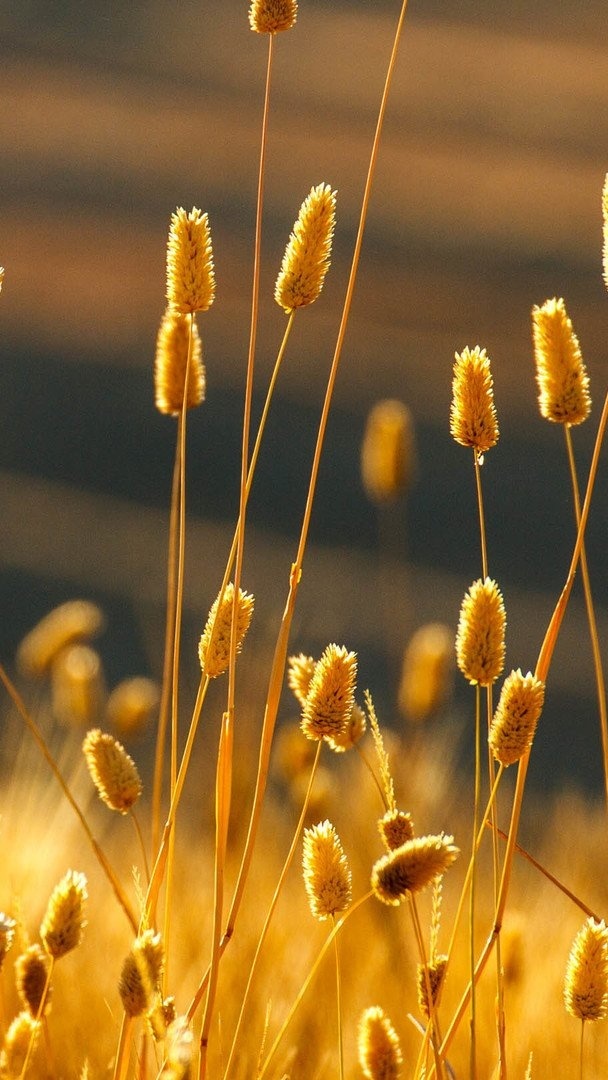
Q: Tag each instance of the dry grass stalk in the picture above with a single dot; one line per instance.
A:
(214, 645)
(605, 227)
(388, 451)
(430, 974)
(1, 277)
(31, 977)
(78, 685)
(586, 983)
(308, 252)
(76, 620)
(396, 828)
(563, 383)
(190, 276)
(112, 770)
(300, 670)
(425, 677)
(380, 1054)
(387, 787)
(480, 639)
(327, 876)
(19, 1044)
(63, 924)
(473, 419)
(517, 714)
(353, 732)
(272, 16)
(411, 867)
(133, 704)
(176, 334)
(331, 694)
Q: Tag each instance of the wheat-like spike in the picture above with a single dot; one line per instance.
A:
(380, 1054)
(432, 974)
(31, 975)
(7, 935)
(308, 252)
(327, 876)
(190, 275)
(435, 916)
(112, 770)
(388, 451)
(411, 867)
(272, 16)
(20, 1043)
(517, 714)
(396, 828)
(561, 376)
(355, 729)
(586, 983)
(63, 923)
(300, 670)
(331, 695)
(480, 640)
(214, 645)
(473, 419)
(385, 770)
(426, 671)
(76, 620)
(605, 228)
(171, 359)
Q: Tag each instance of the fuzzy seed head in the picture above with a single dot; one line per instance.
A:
(517, 714)
(396, 828)
(411, 867)
(76, 620)
(561, 376)
(133, 704)
(272, 16)
(300, 670)
(388, 451)
(190, 277)
(214, 646)
(31, 974)
(1, 277)
(22, 1031)
(308, 252)
(586, 984)
(63, 924)
(331, 695)
(180, 1048)
(112, 770)
(354, 730)
(480, 639)
(7, 935)
(171, 361)
(605, 223)
(141, 973)
(426, 672)
(430, 974)
(473, 414)
(380, 1054)
(78, 685)
(327, 876)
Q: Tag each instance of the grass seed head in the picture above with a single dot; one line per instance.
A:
(112, 770)
(425, 678)
(300, 670)
(331, 694)
(480, 640)
(354, 730)
(272, 16)
(308, 252)
(63, 924)
(190, 277)
(78, 685)
(170, 364)
(76, 620)
(141, 974)
(327, 876)
(180, 1049)
(473, 419)
(23, 1030)
(133, 704)
(388, 451)
(517, 714)
(411, 867)
(586, 983)
(31, 974)
(380, 1054)
(7, 935)
(1, 277)
(430, 975)
(396, 828)
(561, 376)
(214, 646)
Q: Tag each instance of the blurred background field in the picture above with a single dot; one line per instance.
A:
(487, 201)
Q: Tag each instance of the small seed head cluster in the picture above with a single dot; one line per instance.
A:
(561, 376)
(176, 333)
(214, 646)
(411, 867)
(133, 704)
(272, 16)
(308, 252)
(388, 451)
(425, 677)
(300, 670)
(7, 935)
(586, 983)
(112, 770)
(190, 276)
(327, 876)
(77, 685)
(396, 828)
(517, 714)
(23, 1033)
(31, 974)
(139, 983)
(331, 694)
(480, 639)
(473, 419)
(354, 730)
(380, 1054)
(63, 924)
(76, 620)
(430, 975)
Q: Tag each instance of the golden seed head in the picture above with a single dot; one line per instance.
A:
(7, 934)
(354, 730)
(1, 277)
(396, 828)
(76, 620)
(412, 867)
(300, 670)
(112, 770)
(272, 16)
(293, 754)
(473, 414)
(78, 685)
(214, 646)
(388, 451)
(331, 695)
(517, 713)
(561, 376)
(605, 221)
(160, 1016)
(380, 1054)
(430, 974)
(586, 984)
(308, 252)
(141, 973)
(133, 704)
(179, 1051)
(170, 363)
(22, 1031)
(426, 670)
(190, 277)
(480, 639)
(31, 973)
(327, 876)
(63, 924)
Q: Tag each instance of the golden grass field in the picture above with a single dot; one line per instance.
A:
(238, 756)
